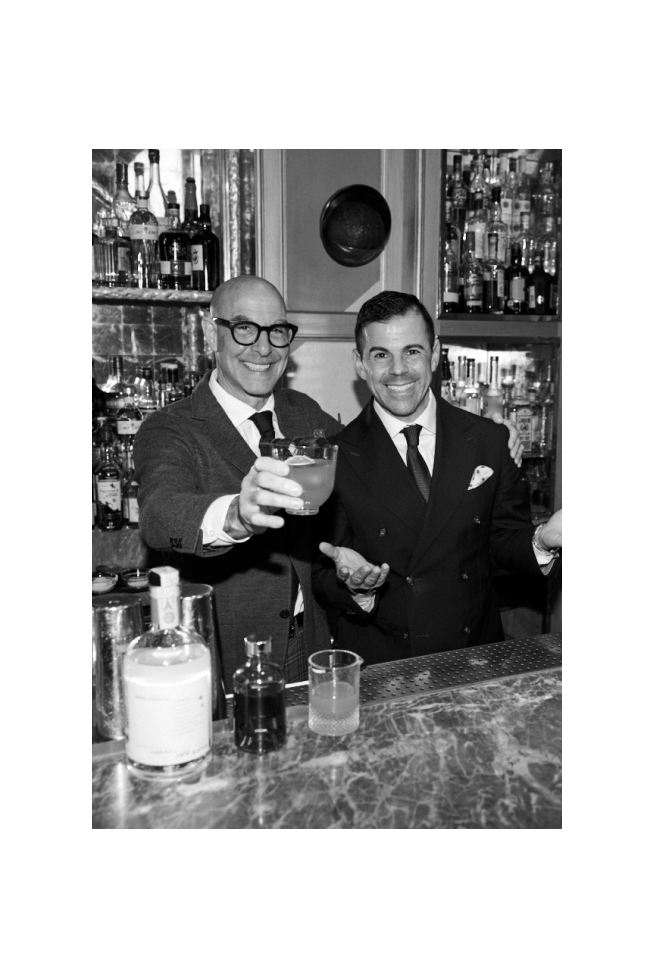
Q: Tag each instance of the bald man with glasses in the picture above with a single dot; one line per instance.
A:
(207, 497)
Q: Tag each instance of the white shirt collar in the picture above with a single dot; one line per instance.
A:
(394, 425)
(236, 410)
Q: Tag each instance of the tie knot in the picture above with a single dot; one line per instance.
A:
(263, 421)
(412, 433)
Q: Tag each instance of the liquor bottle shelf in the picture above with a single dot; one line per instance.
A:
(499, 326)
(148, 295)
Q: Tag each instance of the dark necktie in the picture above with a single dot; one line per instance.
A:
(263, 421)
(415, 462)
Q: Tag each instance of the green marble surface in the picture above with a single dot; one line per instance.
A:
(481, 756)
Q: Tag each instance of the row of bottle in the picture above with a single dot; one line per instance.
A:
(535, 194)
(168, 728)
(118, 412)
(143, 243)
(524, 400)
(481, 273)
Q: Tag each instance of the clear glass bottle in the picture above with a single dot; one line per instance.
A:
(157, 201)
(447, 387)
(167, 676)
(458, 195)
(496, 226)
(116, 260)
(516, 300)
(493, 273)
(124, 204)
(205, 254)
(522, 193)
(547, 414)
(476, 224)
(259, 699)
(130, 510)
(147, 399)
(450, 292)
(114, 387)
(143, 238)
(460, 380)
(107, 475)
(479, 182)
(174, 252)
(521, 415)
(525, 237)
(473, 276)
(508, 186)
(493, 400)
(470, 399)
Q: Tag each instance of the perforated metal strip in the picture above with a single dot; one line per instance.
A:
(465, 666)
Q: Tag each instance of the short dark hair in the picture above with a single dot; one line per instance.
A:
(387, 305)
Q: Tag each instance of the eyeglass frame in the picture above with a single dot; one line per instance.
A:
(248, 322)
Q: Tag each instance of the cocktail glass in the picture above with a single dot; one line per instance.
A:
(334, 692)
(312, 462)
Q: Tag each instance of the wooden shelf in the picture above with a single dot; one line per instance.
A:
(498, 327)
(148, 295)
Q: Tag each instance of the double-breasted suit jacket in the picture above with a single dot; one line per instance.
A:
(438, 594)
(188, 454)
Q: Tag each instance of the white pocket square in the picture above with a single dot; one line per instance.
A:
(480, 475)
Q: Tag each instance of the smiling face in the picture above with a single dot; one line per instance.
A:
(247, 372)
(397, 364)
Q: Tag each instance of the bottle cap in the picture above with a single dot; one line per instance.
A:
(257, 644)
(154, 155)
(164, 577)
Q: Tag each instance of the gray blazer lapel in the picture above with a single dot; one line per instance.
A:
(219, 429)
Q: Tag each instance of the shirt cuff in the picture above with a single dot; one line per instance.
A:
(366, 602)
(545, 560)
(212, 525)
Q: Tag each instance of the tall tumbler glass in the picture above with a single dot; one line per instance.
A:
(334, 692)
(198, 613)
(117, 620)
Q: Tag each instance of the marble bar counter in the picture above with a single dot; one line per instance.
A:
(463, 739)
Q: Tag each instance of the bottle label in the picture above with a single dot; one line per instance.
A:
(524, 421)
(168, 711)
(517, 290)
(108, 493)
(128, 425)
(473, 291)
(197, 257)
(187, 265)
(165, 267)
(133, 511)
(532, 297)
(451, 297)
(143, 232)
(500, 283)
(123, 259)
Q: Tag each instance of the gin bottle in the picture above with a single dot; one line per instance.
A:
(174, 250)
(167, 686)
(158, 202)
(259, 699)
(143, 237)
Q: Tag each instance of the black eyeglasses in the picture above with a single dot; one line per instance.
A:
(246, 333)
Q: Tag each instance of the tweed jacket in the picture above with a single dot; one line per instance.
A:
(438, 595)
(185, 456)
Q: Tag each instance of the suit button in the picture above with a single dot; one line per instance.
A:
(284, 614)
(409, 581)
(476, 520)
(406, 635)
(382, 531)
(464, 576)
(466, 629)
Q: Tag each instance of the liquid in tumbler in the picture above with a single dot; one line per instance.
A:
(334, 692)
(312, 463)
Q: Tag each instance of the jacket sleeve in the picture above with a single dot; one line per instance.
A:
(511, 523)
(172, 504)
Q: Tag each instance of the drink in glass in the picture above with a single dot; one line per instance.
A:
(312, 462)
(334, 692)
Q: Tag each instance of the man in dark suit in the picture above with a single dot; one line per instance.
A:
(426, 496)
(210, 502)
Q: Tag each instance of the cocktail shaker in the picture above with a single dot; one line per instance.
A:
(198, 613)
(117, 620)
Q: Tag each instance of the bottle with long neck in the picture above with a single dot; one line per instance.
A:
(476, 224)
(115, 386)
(143, 238)
(470, 399)
(147, 399)
(116, 263)
(493, 292)
(447, 392)
(190, 214)
(516, 300)
(175, 258)
(526, 239)
(473, 276)
(450, 290)
(167, 677)
(124, 204)
(495, 225)
(460, 382)
(478, 180)
(547, 414)
(458, 195)
(538, 289)
(107, 475)
(493, 402)
(522, 192)
(205, 253)
(157, 200)
(508, 186)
